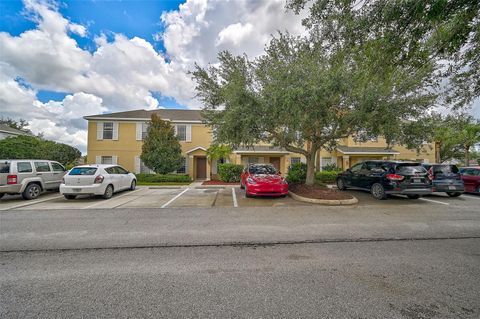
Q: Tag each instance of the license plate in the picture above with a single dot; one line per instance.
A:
(452, 187)
(77, 189)
(417, 180)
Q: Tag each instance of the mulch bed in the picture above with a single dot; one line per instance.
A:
(317, 192)
(218, 183)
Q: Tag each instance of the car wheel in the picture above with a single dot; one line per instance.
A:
(453, 194)
(341, 184)
(70, 196)
(478, 190)
(413, 196)
(247, 195)
(378, 191)
(108, 192)
(133, 185)
(32, 191)
(2, 194)
(241, 185)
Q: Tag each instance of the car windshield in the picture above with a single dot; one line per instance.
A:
(83, 171)
(410, 168)
(4, 167)
(445, 169)
(262, 169)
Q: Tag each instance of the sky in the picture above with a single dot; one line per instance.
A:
(62, 60)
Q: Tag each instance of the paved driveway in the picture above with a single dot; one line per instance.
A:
(201, 197)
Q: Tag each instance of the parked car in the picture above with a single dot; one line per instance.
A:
(471, 179)
(387, 177)
(445, 178)
(96, 179)
(29, 177)
(263, 180)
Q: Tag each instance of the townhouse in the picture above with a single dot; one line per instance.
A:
(118, 137)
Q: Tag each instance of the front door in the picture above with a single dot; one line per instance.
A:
(275, 161)
(201, 163)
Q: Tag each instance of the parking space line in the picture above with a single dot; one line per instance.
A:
(434, 201)
(234, 196)
(177, 196)
(113, 197)
(31, 203)
(472, 197)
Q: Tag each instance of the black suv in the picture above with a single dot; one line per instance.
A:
(387, 177)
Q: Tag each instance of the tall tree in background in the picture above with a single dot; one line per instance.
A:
(161, 150)
(303, 97)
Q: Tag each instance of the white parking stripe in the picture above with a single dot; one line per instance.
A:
(434, 201)
(170, 201)
(234, 196)
(472, 197)
(113, 197)
(31, 203)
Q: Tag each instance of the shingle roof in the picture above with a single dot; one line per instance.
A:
(11, 130)
(166, 114)
(365, 150)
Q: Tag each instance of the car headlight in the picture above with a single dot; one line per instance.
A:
(284, 181)
(251, 181)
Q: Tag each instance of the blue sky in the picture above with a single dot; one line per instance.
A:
(134, 18)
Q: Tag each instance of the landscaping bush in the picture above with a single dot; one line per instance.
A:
(297, 173)
(326, 177)
(331, 167)
(160, 178)
(230, 173)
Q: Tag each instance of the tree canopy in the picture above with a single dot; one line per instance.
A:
(161, 150)
(31, 147)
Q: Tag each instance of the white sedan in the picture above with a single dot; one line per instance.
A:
(98, 179)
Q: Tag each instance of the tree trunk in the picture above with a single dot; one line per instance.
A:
(438, 147)
(467, 155)
(310, 180)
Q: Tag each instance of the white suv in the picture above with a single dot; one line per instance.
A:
(97, 179)
(29, 177)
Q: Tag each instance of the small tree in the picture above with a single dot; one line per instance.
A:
(219, 151)
(161, 150)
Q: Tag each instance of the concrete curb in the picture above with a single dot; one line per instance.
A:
(167, 187)
(328, 202)
(210, 187)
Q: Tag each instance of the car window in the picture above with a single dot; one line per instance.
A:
(24, 167)
(376, 166)
(410, 168)
(262, 169)
(83, 171)
(445, 169)
(121, 170)
(42, 167)
(57, 167)
(4, 167)
(356, 167)
(110, 170)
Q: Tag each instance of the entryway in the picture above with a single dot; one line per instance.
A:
(275, 161)
(201, 167)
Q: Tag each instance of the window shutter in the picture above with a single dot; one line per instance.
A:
(115, 131)
(114, 160)
(139, 131)
(99, 131)
(175, 129)
(189, 133)
(137, 164)
(98, 160)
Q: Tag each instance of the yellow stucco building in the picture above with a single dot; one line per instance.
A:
(117, 138)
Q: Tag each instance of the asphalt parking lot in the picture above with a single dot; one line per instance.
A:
(171, 197)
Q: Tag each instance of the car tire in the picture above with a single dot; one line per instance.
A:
(241, 185)
(2, 194)
(454, 194)
(341, 184)
(108, 192)
(413, 196)
(32, 191)
(133, 185)
(69, 196)
(378, 192)
(478, 190)
(247, 195)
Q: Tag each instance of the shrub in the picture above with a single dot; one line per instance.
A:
(230, 173)
(326, 177)
(160, 178)
(331, 167)
(297, 173)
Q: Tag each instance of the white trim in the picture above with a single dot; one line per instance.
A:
(115, 131)
(99, 131)
(138, 131)
(137, 119)
(260, 152)
(367, 153)
(196, 148)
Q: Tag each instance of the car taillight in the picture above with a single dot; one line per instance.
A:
(63, 180)
(99, 179)
(395, 177)
(12, 179)
(430, 174)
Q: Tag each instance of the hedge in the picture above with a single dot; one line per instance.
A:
(230, 173)
(326, 177)
(159, 178)
(297, 173)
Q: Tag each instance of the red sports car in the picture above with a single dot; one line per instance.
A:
(471, 179)
(263, 180)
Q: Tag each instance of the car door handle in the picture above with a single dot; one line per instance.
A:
(39, 173)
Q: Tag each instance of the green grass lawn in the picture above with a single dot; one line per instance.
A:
(161, 184)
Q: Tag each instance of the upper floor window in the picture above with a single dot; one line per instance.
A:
(294, 160)
(145, 130)
(182, 132)
(107, 160)
(108, 130)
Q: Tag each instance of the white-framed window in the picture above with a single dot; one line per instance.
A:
(144, 169)
(145, 127)
(294, 160)
(108, 130)
(183, 169)
(182, 132)
(252, 160)
(106, 160)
